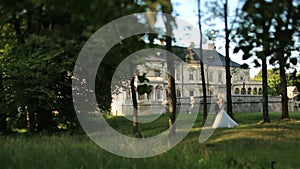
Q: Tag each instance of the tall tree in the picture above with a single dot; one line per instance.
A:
(254, 34)
(227, 62)
(41, 48)
(202, 65)
(219, 10)
(165, 6)
(135, 108)
(286, 23)
(171, 71)
(277, 26)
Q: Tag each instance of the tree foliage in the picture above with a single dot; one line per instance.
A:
(219, 10)
(40, 41)
(269, 29)
(165, 6)
(274, 84)
(287, 27)
(254, 35)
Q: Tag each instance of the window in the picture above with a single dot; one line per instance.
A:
(178, 93)
(177, 75)
(157, 73)
(237, 91)
(220, 76)
(158, 93)
(191, 76)
(249, 90)
(210, 76)
(192, 93)
(255, 90)
(243, 91)
(241, 78)
(260, 91)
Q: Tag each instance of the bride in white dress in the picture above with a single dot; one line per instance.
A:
(223, 120)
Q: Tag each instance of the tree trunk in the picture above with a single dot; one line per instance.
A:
(3, 116)
(171, 80)
(44, 120)
(266, 118)
(17, 25)
(284, 98)
(202, 66)
(266, 46)
(135, 109)
(171, 96)
(227, 65)
(3, 123)
(32, 121)
(205, 113)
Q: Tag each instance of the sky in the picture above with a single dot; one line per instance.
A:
(186, 14)
(187, 10)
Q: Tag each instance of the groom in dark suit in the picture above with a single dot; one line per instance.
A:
(218, 105)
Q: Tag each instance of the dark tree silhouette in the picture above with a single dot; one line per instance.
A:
(202, 66)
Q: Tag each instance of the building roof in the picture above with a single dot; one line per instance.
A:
(210, 57)
(213, 58)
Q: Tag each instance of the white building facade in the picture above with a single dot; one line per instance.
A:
(187, 81)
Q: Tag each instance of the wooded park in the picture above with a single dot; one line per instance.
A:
(40, 42)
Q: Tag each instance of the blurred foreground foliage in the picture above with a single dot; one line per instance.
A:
(40, 41)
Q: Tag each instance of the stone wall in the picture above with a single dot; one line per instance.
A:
(241, 103)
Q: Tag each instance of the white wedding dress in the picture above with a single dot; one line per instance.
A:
(223, 120)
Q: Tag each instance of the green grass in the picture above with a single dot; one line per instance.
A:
(250, 145)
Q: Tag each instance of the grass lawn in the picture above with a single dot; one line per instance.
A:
(250, 145)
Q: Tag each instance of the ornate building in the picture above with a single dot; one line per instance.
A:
(187, 79)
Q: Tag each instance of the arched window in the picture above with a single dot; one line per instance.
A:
(158, 92)
(243, 91)
(260, 91)
(255, 90)
(249, 90)
(237, 91)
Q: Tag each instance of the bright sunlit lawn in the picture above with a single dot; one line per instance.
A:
(250, 145)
